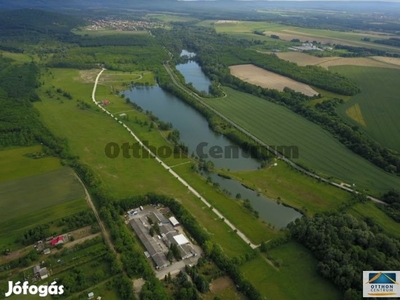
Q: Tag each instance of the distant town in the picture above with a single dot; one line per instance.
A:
(123, 25)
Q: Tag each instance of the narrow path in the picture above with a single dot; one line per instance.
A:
(101, 224)
(177, 165)
(271, 149)
(165, 166)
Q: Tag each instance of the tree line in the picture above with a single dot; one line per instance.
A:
(345, 246)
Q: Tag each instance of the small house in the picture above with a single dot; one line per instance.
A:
(58, 240)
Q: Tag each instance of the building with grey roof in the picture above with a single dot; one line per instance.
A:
(150, 243)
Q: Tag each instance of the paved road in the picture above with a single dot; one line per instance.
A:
(271, 149)
(165, 166)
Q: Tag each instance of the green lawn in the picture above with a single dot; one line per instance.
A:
(34, 193)
(318, 150)
(293, 188)
(14, 164)
(378, 101)
(90, 130)
(369, 209)
(296, 278)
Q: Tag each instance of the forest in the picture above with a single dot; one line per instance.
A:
(19, 120)
(346, 246)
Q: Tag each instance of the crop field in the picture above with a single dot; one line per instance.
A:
(13, 228)
(277, 182)
(296, 278)
(354, 112)
(14, 164)
(258, 76)
(369, 209)
(317, 149)
(291, 32)
(34, 193)
(389, 60)
(303, 59)
(91, 131)
(378, 102)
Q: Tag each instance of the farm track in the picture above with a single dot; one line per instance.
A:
(272, 150)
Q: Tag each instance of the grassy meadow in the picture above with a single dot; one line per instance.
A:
(13, 228)
(378, 103)
(292, 187)
(318, 150)
(296, 277)
(15, 165)
(31, 194)
(91, 130)
(34, 192)
(369, 209)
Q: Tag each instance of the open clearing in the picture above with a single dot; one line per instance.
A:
(12, 229)
(378, 102)
(303, 59)
(34, 193)
(294, 279)
(355, 113)
(223, 288)
(370, 210)
(389, 60)
(318, 149)
(14, 163)
(258, 76)
(276, 182)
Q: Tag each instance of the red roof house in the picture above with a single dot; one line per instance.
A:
(57, 240)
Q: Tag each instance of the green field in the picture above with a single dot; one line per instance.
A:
(31, 194)
(19, 58)
(15, 165)
(369, 209)
(378, 101)
(291, 32)
(34, 192)
(293, 188)
(89, 132)
(13, 228)
(318, 150)
(296, 278)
